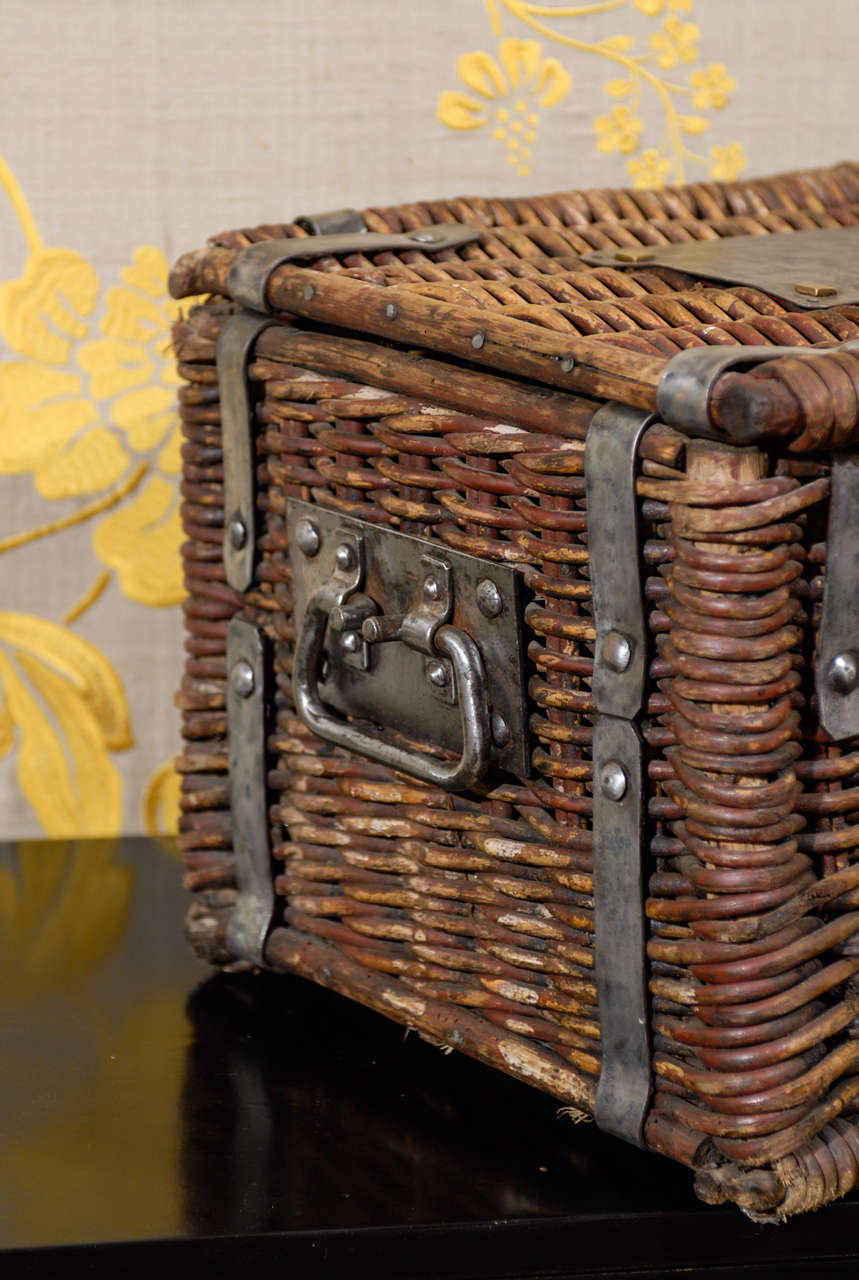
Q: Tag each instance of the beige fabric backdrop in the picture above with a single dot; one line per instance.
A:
(130, 132)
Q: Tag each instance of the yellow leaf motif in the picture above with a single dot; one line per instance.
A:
(693, 124)
(141, 541)
(43, 312)
(62, 908)
(618, 88)
(69, 710)
(95, 460)
(41, 410)
(509, 89)
(161, 801)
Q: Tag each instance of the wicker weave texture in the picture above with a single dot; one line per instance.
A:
(470, 917)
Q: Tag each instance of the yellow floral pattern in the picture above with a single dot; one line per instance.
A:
(87, 409)
(507, 92)
(506, 88)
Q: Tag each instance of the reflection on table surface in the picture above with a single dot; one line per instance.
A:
(143, 1097)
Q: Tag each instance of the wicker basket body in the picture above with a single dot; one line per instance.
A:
(449, 395)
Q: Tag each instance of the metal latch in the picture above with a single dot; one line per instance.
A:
(398, 633)
(807, 269)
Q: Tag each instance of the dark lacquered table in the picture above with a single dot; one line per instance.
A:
(156, 1120)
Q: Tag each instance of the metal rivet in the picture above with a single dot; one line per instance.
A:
(307, 536)
(617, 651)
(568, 364)
(429, 235)
(816, 290)
(432, 589)
(309, 292)
(613, 780)
(477, 340)
(489, 598)
(391, 311)
(351, 642)
(344, 556)
(500, 730)
(238, 533)
(242, 678)
(842, 675)
(634, 255)
(437, 674)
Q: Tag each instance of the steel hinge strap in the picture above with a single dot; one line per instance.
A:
(249, 274)
(251, 918)
(620, 661)
(235, 345)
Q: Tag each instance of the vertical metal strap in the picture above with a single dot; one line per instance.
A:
(625, 1078)
(618, 769)
(235, 344)
(246, 674)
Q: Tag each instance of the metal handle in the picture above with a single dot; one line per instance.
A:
(450, 643)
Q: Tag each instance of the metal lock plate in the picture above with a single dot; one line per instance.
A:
(807, 269)
(390, 594)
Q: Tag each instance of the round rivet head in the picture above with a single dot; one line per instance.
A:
(432, 589)
(437, 674)
(307, 535)
(426, 235)
(344, 556)
(309, 293)
(613, 780)
(391, 311)
(617, 651)
(500, 729)
(351, 642)
(478, 340)
(242, 678)
(489, 598)
(568, 364)
(842, 674)
(238, 533)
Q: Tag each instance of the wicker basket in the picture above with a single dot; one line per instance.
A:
(642, 897)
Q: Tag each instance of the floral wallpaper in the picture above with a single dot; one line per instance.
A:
(87, 409)
(658, 78)
(129, 133)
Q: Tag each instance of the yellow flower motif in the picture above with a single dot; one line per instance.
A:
(676, 42)
(713, 87)
(508, 91)
(63, 708)
(620, 131)
(649, 170)
(89, 410)
(727, 162)
(653, 8)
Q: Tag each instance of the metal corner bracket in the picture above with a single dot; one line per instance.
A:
(252, 915)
